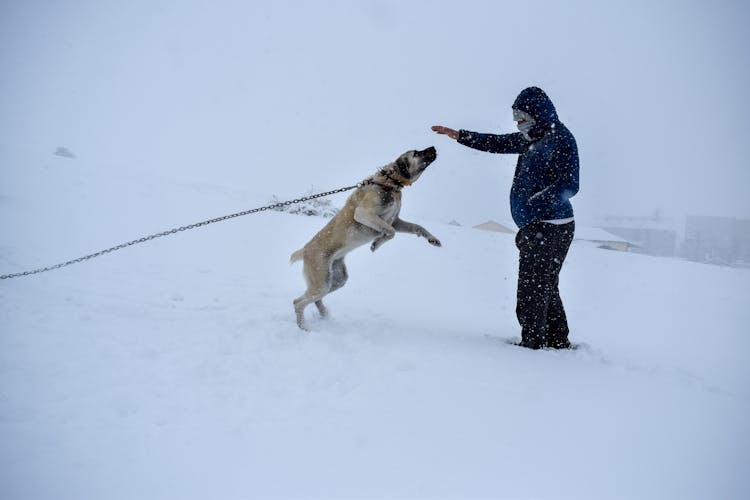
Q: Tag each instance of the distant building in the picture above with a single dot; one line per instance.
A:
(654, 235)
(717, 240)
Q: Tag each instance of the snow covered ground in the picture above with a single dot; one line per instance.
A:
(174, 369)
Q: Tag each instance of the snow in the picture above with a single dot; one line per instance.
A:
(175, 369)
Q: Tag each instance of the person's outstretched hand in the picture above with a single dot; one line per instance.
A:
(453, 134)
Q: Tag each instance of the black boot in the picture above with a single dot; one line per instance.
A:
(530, 345)
(559, 344)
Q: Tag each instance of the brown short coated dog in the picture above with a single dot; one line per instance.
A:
(370, 214)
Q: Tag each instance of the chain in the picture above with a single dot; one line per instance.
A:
(178, 230)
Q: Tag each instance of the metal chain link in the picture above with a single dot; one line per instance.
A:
(179, 229)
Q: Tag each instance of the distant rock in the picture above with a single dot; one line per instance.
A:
(64, 152)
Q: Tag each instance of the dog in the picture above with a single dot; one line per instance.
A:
(370, 214)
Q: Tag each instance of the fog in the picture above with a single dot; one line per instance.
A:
(279, 97)
(176, 367)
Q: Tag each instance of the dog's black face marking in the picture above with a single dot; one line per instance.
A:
(408, 167)
(423, 159)
(428, 154)
(402, 167)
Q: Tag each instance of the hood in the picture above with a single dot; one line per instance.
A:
(535, 102)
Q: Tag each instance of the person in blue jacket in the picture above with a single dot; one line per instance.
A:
(545, 179)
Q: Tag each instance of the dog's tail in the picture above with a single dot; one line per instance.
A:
(296, 255)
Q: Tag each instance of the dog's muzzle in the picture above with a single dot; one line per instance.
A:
(428, 154)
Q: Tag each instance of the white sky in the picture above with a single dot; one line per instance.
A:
(279, 96)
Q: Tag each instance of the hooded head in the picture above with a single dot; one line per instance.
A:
(533, 102)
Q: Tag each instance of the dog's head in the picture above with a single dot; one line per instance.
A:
(409, 166)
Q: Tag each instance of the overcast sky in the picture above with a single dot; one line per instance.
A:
(277, 97)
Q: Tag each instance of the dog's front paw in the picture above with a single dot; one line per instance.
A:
(380, 240)
(434, 242)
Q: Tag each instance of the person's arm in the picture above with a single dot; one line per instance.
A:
(564, 187)
(491, 143)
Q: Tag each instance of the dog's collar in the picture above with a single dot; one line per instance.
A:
(385, 187)
(400, 183)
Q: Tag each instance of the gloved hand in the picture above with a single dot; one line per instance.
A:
(453, 134)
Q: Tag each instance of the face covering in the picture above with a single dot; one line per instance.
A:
(525, 122)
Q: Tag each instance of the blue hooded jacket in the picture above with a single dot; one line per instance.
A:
(546, 174)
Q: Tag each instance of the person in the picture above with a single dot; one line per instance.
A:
(545, 179)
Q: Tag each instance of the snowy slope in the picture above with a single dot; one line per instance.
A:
(174, 369)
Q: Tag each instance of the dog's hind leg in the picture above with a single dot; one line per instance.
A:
(304, 300)
(321, 308)
(318, 276)
(339, 275)
(338, 279)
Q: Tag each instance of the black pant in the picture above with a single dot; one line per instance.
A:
(542, 249)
